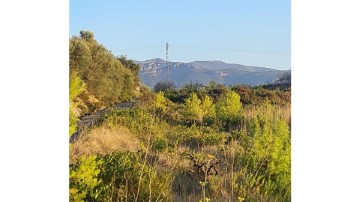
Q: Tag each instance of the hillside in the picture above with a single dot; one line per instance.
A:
(193, 143)
(154, 70)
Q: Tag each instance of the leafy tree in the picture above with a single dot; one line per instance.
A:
(109, 79)
(229, 108)
(215, 90)
(87, 35)
(197, 109)
(127, 92)
(193, 106)
(189, 88)
(245, 93)
(135, 68)
(80, 56)
(164, 86)
(207, 108)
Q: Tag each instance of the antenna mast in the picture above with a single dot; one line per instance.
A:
(153, 73)
(167, 64)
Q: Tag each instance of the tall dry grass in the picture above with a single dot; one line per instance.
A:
(281, 112)
(103, 140)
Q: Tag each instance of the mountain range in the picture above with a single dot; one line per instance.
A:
(203, 72)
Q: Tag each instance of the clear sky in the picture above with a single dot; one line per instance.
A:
(248, 32)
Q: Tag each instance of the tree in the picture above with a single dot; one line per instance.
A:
(160, 103)
(128, 86)
(197, 109)
(164, 86)
(192, 106)
(189, 88)
(87, 35)
(207, 108)
(109, 79)
(135, 68)
(229, 108)
(215, 90)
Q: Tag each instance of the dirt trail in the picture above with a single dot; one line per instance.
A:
(88, 121)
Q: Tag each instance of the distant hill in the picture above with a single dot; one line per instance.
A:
(154, 70)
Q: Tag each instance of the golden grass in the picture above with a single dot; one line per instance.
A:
(282, 112)
(103, 140)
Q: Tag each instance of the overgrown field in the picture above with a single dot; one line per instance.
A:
(196, 143)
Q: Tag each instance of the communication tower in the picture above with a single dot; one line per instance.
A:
(153, 73)
(167, 64)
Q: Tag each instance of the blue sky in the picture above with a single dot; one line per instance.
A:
(249, 32)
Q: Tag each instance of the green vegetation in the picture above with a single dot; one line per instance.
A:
(77, 86)
(196, 143)
(109, 79)
(197, 109)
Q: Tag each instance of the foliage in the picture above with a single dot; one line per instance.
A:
(138, 121)
(160, 103)
(76, 87)
(193, 106)
(72, 123)
(239, 133)
(229, 107)
(164, 86)
(268, 156)
(117, 175)
(134, 68)
(123, 172)
(109, 79)
(259, 94)
(215, 90)
(84, 179)
(197, 109)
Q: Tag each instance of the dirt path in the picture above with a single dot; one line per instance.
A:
(88, 121)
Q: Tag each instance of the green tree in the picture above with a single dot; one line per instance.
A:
(207, 108)
(160, 104)
(164, 86)
(129, 86)
(215, 90)
(109, 79)
(135, 68)
(192, 106)
(197, 109)
(229, 108)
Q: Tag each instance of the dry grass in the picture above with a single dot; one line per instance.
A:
(104, 140)
(282, 112)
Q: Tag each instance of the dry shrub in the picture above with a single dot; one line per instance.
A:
(103, 140)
